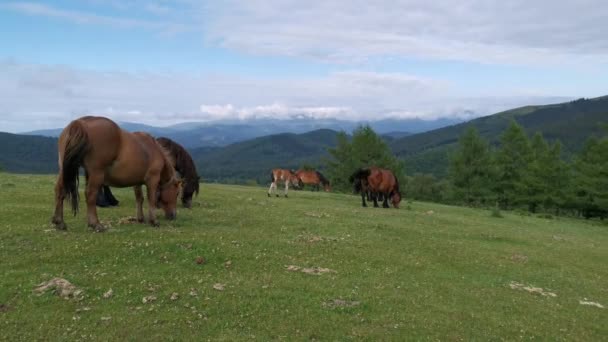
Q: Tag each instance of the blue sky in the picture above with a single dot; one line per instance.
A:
(164, 62)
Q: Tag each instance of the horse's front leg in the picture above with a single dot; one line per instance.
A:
(363, 204)
(152, 187)
(286, 187)
(385, 202)
(139, 203)
(94, 182)
(59, 197)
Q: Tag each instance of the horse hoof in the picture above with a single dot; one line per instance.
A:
(140, 220)
(277, 195)
(98, 228)
(155, 224)
(268, 195)
(60, 225)
(285, 196)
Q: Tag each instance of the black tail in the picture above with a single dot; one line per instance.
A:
(271, 177)
(76, 148)
(322, 178)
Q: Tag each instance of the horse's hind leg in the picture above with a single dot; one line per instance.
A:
(375, 197)
(94, 182)
(286, 187)
(139, 201)
(272, 186)
(59, 197)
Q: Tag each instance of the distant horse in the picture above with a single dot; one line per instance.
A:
(285, 176)
(115, 157)
(186, 168)
(314, 178)
(376, 182)
(183, 164)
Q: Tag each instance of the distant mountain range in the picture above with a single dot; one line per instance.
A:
(252, 158)
(198, 134)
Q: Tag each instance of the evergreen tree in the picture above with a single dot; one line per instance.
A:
(365, 149)
(537, 185)
(470, 169)
(512, 166)
(591, 179)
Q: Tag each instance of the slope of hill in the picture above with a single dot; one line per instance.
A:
(28, 154)
(570, 122)
(254, 158)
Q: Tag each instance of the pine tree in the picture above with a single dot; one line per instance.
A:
(470, 169)
(512, 166)
(591, 179)
(365, 149)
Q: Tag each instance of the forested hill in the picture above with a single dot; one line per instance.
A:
(253, 159)
(571, 123)
(28, 154)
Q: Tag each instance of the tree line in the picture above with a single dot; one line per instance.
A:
(518, 173)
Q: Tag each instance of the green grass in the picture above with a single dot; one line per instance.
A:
(432, 272)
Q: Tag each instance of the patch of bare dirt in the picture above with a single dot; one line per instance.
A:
(531, 289)
(60, 287)
(590, 303)
(4, 308)
(317, 215)
(127, 220)
(340, 303)
(148, 299)
(108, 294)
(309, 270)
(520, 258)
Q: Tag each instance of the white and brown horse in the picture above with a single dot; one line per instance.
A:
(285, 176)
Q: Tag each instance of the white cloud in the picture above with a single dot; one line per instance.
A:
(489, 31)
(81, 17)
(41, 96)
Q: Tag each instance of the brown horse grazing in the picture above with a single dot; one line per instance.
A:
(183, 164)
(115, 157)
(282, 175)
(377, 182)
(314, 178)
(186, 168)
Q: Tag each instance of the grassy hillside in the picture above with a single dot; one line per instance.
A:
(570, 122)
(432, 272)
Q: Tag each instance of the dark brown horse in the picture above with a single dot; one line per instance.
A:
(183, 164)
(186, 168)
(314, 178)
(282, 175)
(115, 157)
(377, 182)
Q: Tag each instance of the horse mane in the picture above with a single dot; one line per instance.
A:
(322, 178)
(168, 170)
(183, 163)
(359, 174)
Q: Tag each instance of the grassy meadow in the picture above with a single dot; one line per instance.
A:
(423, 272)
